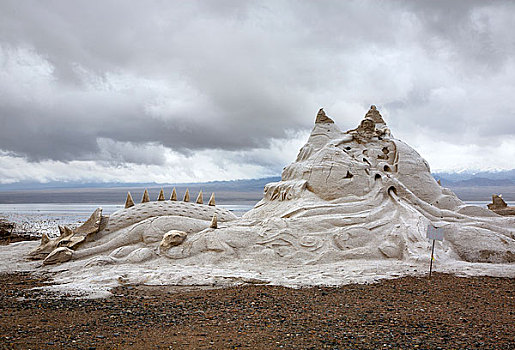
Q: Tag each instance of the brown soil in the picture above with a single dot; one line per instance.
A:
(412, 312)
(17, 237)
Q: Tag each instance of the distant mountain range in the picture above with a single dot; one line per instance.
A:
(477, 179)
(465, 175)
(461, 179)
(467, 185)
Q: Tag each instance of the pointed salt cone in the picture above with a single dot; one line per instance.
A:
(212, 200)
(67, 231)
(187, 196)
(173, 197)
(214, 222)
(200, 200)
(323, 118)
(161, 196)
(44, 238)
(61, 230)
(129, 202)
(439, 182)
(145, 197)
(90, 226)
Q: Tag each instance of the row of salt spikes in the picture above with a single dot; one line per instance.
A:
(130, 203)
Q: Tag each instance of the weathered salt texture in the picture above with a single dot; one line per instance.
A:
(360, 194)
(354, 206)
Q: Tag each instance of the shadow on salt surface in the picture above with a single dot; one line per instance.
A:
(95, 281)
(466, 269)
(83, 279)
(12, 257)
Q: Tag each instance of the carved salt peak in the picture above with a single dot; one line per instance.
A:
(145, 198)
(161, 195)
(129, 202)
(173, 197)
(186, 196)
(371, 126)
(323, 118)
(374, 114)
(212, 200)
(367, 127)
(214, 222)
(200, 200)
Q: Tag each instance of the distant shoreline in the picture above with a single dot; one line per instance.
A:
(224, 194)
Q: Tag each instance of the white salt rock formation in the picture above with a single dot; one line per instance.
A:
(129, 232)
(499, 206)
(360, 194)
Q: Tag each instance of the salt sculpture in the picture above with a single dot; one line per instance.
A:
(132, 228)
(359, 194)
(499, 206)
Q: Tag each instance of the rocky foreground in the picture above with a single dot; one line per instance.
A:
(412, 312)
(8, 234)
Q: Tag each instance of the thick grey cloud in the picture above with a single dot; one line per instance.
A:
(118, 82)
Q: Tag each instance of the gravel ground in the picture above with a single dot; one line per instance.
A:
(446, 312)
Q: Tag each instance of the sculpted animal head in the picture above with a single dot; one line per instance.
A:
(172, 238)
(59, 255)
(46, 246)
(67, 237)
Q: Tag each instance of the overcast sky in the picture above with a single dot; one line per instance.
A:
(183, 91)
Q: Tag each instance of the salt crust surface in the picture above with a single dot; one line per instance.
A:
(84, 279)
